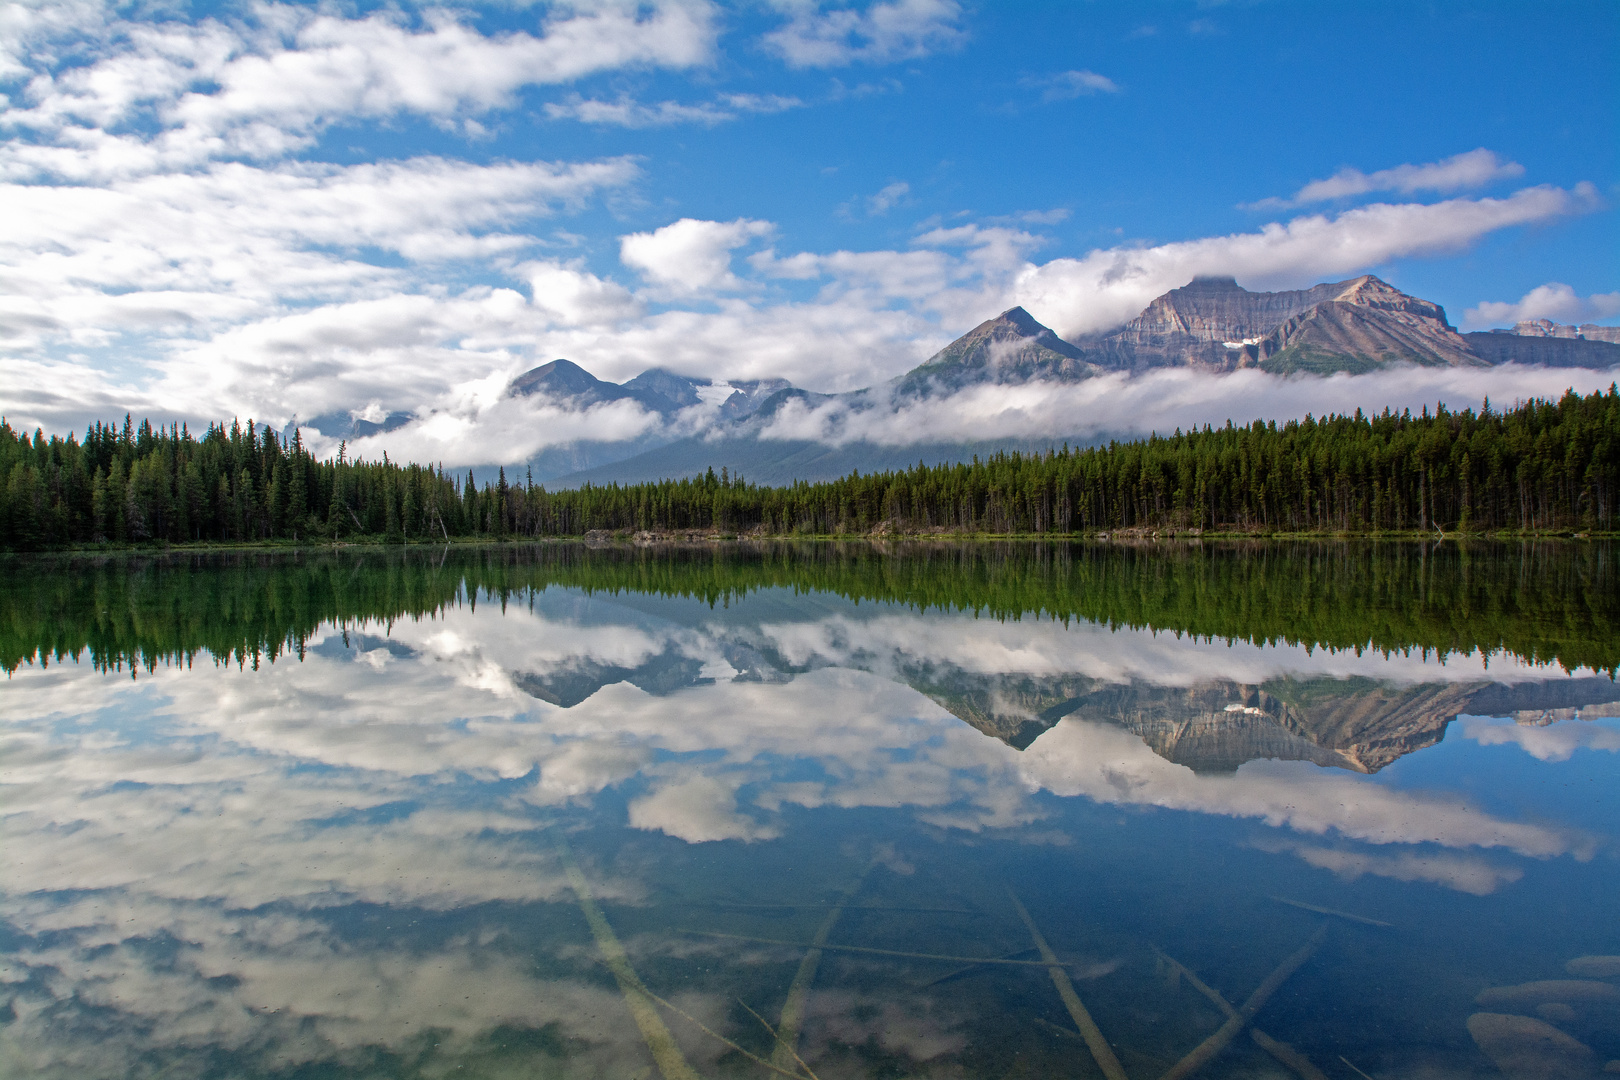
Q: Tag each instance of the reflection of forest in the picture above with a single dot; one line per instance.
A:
(1355, 724)
(1542, 602)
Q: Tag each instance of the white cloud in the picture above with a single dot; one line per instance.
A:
(895, 30)
(628, 113)
(1068, 85)
(1554, 300)
(1476, 168)
(691, 256)
(576, 297)
(1106, 287)
(885, 200)
(265, 87)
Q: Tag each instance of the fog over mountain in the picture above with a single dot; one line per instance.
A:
(1203, 353)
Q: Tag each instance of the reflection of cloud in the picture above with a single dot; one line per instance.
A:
(167, 977)
(887, 642)
(212, 821)
(1465, 873)
(1110, 765)
(697, 809)
(1556, 742)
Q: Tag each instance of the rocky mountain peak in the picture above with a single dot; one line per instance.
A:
(1012, 347)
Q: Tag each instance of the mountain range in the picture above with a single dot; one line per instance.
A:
(1211, 324)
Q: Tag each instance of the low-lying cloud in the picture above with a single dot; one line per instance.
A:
(1162, 401)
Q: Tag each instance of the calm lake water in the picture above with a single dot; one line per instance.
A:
(553, 812)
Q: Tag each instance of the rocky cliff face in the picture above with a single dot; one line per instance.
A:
(1546, 328)
(1216, 324)
(1369, 324)
(1550, 350)
(1197, 321)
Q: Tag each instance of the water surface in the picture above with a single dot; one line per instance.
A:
(388, 812)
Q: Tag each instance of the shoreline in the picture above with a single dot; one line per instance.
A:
(600, 538)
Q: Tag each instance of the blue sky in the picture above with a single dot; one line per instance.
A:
(281, 210)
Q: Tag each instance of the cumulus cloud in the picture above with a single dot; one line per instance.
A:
(691, 256)
(1068, 85)
(1554, 300)
(1474, 169)
(816, 36)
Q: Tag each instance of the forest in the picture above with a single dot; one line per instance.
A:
(1539, 467)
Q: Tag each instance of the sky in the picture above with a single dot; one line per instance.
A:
(283, 211)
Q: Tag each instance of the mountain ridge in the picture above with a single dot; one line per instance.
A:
(1211, 324)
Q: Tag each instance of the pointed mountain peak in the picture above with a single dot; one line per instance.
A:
(558, 378)
(1023, 320)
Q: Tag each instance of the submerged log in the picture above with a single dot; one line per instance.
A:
(1205, 1051)
(1335, 912)
(1100, 1050)
(791, 1021)
(1284, 1053)
(869, 951)
(636, 995)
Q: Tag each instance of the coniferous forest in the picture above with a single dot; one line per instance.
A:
(1539, 467)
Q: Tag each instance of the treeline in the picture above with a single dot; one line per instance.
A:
(1541, 601)
(1541, 466)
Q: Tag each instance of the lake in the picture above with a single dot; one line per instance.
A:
(813, 810)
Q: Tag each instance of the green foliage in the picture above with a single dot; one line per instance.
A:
(1542, 466)
(1543, 601)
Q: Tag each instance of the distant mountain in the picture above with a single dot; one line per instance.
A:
(1550, 344)
(1546, 328)
(782, 461)
(657, 390)
(1011, 348)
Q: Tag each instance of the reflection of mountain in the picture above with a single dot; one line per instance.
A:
(568, 686)
(1354, 724)
(662, 674)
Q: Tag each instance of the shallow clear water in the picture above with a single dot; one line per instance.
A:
(339, 815)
